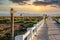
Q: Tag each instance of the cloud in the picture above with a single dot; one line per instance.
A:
(41, 3)
(19, 1)
(0, 0)
(1, 3)
(57, 2)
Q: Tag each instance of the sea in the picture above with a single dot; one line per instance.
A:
(5, 13)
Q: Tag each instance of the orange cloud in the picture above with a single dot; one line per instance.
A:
(33, 8)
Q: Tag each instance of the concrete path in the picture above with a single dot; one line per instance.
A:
(50, 31)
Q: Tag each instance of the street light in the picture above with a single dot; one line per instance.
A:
(12, 23)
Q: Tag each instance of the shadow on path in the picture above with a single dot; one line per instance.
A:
(43, 35)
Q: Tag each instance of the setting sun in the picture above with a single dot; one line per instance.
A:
(37, 8)
(33, 8)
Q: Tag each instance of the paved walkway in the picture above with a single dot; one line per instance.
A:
(50, 31)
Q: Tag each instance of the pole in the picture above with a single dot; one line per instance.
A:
(12, 25)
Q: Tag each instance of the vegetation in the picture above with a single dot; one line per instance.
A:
(57, 20)
(23, 23)
(7, 36)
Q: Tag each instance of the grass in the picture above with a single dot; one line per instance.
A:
(20, 32)
(27, 22)
(57, 20)
(24, 30)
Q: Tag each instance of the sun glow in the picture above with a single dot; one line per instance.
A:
(29, 8)
(33, 8)
(37, 8)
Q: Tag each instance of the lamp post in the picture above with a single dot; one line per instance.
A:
(12, 23)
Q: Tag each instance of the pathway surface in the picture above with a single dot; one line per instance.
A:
(50, 31)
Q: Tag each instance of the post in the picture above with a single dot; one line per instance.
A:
(31, 32)
(44, 16)
(12, 24)
(29, 36)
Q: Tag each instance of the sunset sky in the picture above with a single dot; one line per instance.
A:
(29, 6)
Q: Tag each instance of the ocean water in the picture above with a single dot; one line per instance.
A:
(30, 14)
